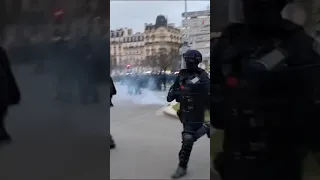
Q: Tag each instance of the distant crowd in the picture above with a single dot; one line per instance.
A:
(153, 81)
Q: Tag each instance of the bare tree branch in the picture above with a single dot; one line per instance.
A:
(166, 59)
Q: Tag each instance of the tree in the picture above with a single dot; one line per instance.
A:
(150, 61)
(166, 59)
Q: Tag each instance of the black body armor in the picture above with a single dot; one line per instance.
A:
(193, 97)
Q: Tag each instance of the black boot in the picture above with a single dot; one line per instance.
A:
(112, 144)
(4, 135)
(184, 156)
(5, 138)
(180, 172)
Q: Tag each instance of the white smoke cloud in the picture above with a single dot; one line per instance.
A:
(146, 97)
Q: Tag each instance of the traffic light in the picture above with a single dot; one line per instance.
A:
(128, 66)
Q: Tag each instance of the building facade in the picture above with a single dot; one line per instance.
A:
(137, 49)
(126, 47)
(161, 37)
(196, 34)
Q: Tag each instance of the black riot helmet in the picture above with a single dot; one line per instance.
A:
(263, 13)
(192, 58)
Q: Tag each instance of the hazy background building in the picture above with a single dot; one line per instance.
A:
(37, 20)
(196, 34)
(158, 46)
(126, 47)
(162, 43)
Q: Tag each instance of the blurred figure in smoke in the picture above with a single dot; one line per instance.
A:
(152, 81)
(63, 59)
(113, 92)
(86, 78)
(9, 94)
(158, 82)
(137, 84)
(130, 84)
(164, 81)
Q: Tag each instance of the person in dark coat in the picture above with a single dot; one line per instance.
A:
(113, 92)
(10, 93)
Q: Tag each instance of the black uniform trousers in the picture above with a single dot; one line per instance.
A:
(189, 136)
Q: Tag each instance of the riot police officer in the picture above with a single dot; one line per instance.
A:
(190, 89)
(263, 88)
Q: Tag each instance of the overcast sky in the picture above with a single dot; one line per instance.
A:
(133, 14)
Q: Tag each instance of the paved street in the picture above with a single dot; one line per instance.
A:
(54, 141)
(148, 142)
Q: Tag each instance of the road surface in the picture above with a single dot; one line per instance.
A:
(148, 142)
(53, 141)
(57, 141)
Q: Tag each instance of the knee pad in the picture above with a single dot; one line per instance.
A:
(188, 139)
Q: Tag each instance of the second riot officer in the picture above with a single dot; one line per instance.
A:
(265, 95)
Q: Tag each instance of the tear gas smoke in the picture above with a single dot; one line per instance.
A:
(146, 97)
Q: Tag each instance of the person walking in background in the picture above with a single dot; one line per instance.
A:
(9, 94)
(113, 92)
